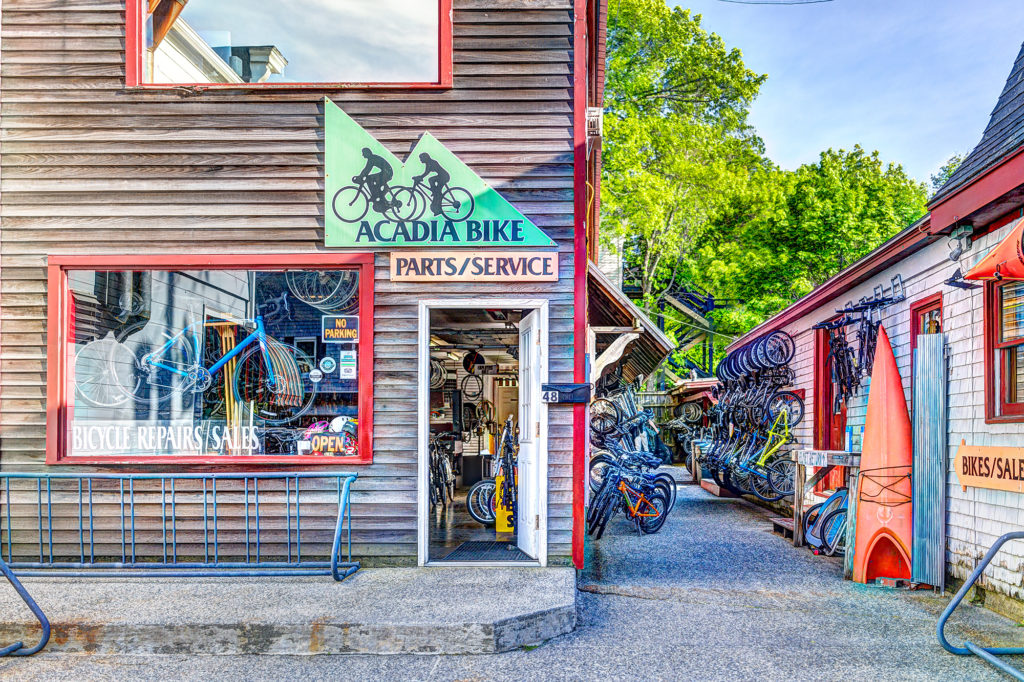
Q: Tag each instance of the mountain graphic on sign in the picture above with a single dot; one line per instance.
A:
(372, 199)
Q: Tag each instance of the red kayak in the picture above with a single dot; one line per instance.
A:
(884, 510)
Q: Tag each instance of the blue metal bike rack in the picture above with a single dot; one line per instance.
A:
(988, 654)
(18, 648)
(73, 533)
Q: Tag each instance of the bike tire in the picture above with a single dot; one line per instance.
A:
(600, 464)
(460, 204)
(762, 487)
(833, 532)
(256, 397)
(408, 208)
(604, 416)
(659, 500)
(607, 512)
(782, 476)
(95, 383)
(154, 386)
(354, 204)
(478, 501)
(670, 486)
(789, 401)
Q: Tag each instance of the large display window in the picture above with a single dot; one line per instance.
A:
(211, 360)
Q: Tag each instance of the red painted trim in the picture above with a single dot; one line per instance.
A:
(580, 435)
(917, 309)
(58, 405)
(822, 390)
(1001, 221)
(980, 191)
(134, 46)
(902, 245)
(133, 27)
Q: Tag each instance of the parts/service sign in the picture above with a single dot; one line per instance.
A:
(478, 266)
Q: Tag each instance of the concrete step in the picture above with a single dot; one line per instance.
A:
(378, 611)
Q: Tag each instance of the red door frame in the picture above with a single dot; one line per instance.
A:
(133, 45)
(825, 422)
(59, 314)
(917, 310)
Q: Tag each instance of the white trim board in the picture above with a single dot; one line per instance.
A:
(423, 422)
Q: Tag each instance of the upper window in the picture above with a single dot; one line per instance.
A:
(218, 364)
(1005, 348)
(244, 43)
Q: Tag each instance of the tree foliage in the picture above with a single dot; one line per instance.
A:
(946, 172)
(689, 195)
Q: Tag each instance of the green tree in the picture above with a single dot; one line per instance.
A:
(946, 172)
(676, 143)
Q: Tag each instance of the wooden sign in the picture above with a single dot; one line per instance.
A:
(478, 266)
(997, 468)
(824, 458)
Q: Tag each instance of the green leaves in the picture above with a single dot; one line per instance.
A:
(691, 199)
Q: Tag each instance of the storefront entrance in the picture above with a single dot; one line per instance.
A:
(482, 455)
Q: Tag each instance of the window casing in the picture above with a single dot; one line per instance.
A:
(1004, 351)
(206, 359)
(197, 61)
(925, 318)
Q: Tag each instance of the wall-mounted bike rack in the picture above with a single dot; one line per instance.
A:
(988, 654)
(18, 648)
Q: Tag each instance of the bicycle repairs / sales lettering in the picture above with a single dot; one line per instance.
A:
(173, 438)
(497, 266)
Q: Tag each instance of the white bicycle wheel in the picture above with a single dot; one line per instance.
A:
(95, 383)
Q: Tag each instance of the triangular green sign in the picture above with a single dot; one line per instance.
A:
(374, 200)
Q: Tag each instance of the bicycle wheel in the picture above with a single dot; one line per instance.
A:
(95, 383)
(405, 204)
(762, 487)
(789, 401)
(480, 501)
(658, 502)
(833, 532)
(604, 416)
(350, 204)
(265, 401)
(153, 366)
(781, 476)
(456, 204)
(600, 465)
(669, 484)
(607, 510)
(447, 481)
(438, 374)
(472, 387)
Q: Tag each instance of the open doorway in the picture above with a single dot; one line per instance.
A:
(482, 496)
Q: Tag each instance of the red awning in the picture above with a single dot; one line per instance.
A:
(1005, 261)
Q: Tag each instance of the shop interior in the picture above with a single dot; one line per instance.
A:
(474, 398)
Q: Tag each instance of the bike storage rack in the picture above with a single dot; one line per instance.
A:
(18, 648)
(62, 509)
(988, 654)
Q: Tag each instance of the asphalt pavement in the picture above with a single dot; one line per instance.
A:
(714, 596)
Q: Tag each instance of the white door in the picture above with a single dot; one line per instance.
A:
(528, 521)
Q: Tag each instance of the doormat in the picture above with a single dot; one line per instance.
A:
(476, 550)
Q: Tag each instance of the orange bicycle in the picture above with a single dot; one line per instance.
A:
(645, 499)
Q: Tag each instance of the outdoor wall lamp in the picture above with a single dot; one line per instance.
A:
(960, 241)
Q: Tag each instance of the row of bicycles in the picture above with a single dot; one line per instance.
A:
(744, 445)
(627, 451)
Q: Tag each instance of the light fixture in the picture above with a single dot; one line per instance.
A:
(960, 241)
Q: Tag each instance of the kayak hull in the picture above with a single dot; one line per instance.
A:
(884, 528)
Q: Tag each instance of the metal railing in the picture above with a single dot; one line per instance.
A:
(177, 525)
(18, 648)
(988, 654)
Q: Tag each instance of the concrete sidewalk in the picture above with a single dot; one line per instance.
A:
(382, 610)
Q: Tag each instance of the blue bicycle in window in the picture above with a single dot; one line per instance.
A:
(269, 380)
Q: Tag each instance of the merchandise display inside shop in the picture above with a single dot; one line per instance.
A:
(476, 400)
(212, 362)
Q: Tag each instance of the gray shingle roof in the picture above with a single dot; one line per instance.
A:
(1003, 135)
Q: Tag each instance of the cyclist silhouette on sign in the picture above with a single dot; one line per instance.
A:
(438, 182)
(376, 182)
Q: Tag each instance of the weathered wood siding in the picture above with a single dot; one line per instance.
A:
(974, 517)
(90, 168)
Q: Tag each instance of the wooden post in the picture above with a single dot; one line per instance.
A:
(798, 503)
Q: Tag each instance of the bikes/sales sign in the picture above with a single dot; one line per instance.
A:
(372, 199)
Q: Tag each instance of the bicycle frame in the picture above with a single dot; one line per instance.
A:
(259, 335)
(634, 510)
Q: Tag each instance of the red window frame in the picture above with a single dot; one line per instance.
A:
(997, 409)
(60, 322)
(134, 42)
(919, 309)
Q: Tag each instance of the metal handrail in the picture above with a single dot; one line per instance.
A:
(18, 648)
(987, 654)
(212, 564)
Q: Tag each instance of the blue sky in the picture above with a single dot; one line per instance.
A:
(915, 79)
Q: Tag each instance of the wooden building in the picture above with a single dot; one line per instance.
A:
(922, 267)
(141, 212)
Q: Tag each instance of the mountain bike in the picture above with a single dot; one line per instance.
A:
(442, 470)
(270, 380)
(481, 500)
